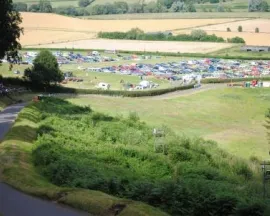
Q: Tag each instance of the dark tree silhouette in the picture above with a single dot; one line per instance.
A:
(10, 31)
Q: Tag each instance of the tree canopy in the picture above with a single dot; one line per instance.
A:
(45, 70)
(20, 6)
(10, 31)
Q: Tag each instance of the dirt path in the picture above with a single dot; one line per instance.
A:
(15, 203)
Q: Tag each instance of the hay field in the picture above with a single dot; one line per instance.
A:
(52, 28)
(35, 37)
(58, 22)
(149, 46)
(248, 26)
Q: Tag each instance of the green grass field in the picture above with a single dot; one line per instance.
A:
(232, 117)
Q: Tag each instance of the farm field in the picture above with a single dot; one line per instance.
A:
(57, 22)
(149, 46)
(52, 29)
(232, 117)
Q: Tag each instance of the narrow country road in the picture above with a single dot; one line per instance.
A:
(15, 203)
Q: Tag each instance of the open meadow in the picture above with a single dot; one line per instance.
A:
(232, 117)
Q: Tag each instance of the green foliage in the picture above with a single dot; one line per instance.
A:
(257, 30)
(110, 8)
(198, 34)
(43, 6)
(220, 8)
(20, 6)
(240, 28)
(45, 69)
(167, 3)
(255, 5)
(214, 1)
(264, 7)
(153, 7)
(78, 147)
(71, 11)
(10, 31)
(137, 34)
(236, 40)
(84, 3)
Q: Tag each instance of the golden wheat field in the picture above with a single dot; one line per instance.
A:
(247, 25)
(150, 46)
(51, 28)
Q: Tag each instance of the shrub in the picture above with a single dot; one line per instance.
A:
(240, 29)
(236, 40)
(257, 30)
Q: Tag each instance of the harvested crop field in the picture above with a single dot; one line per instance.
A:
(150, 46)
(256, 39)
(248, 26)
(52, 28)
(35, 37)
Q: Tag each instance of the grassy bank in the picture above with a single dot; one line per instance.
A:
(120, 157)
(16, 161)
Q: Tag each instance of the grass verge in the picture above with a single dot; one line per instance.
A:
(16, 161)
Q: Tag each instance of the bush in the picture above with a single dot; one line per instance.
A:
(240, 29)
(228, 29)
(214, 1)
(236, 40)
(257, 30)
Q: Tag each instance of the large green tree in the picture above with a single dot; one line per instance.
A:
(45, 69)
(10, 30)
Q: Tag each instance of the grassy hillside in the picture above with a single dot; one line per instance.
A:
(78, 147)
(232, 117)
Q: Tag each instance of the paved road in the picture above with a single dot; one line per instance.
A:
(15, 203)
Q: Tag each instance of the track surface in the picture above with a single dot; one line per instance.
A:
(15, 203)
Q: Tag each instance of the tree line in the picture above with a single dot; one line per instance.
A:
(195, 35)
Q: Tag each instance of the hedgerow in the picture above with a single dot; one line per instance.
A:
(78, 147)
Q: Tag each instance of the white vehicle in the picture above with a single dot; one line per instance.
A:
(103, 86)
(95, 53)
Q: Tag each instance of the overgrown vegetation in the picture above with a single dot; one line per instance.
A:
(120, 156)
(138, 34)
